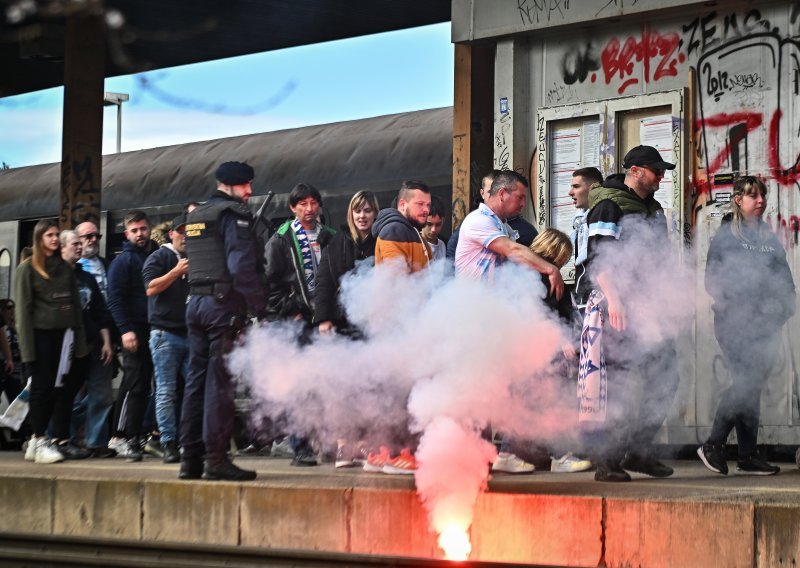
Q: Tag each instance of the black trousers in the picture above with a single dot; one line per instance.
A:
(136, 386)
(749, 361)
(47, 350)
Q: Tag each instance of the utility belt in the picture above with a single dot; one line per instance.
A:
(220, 290)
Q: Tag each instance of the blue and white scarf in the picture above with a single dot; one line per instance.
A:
(592, 377)
(308, 257)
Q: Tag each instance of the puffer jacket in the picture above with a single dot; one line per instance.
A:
(397, 238)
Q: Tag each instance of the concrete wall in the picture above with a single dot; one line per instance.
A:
(739, 65)
(524, 528)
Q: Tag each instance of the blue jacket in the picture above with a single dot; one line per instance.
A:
(127, 300)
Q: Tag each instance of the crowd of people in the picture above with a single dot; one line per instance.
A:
(175, 311)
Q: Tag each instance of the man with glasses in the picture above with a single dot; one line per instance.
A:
(95, 402)
(91, 261)
(631, 413)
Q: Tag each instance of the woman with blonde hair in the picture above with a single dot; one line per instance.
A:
(352, 244)
(555, 247)
(47, 305)
(754, 294)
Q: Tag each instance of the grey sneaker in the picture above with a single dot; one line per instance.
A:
(282, 449)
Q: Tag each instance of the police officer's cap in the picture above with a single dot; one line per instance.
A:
(234, 173)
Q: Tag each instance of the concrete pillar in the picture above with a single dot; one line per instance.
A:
(472, 119)
(82, 143)
(512, 100)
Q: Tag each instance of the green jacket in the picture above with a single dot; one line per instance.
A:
(48, 304)
(616, 191)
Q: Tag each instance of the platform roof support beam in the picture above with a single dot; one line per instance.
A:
(472, 123)
(82, 142)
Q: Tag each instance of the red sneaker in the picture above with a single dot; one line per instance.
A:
(375, 462)
(404, 464)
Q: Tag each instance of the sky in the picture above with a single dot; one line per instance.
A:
(314, 84)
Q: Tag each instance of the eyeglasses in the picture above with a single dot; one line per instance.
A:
(90, 236)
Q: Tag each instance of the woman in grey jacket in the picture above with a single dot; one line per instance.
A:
(754, 294)
(48, 304)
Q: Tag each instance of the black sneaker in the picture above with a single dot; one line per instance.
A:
(72, 452)
(191, 468)
(304, 458)
(153, 446)
(227, 470)
(171, 452)
(713, 457)
(134, 453)
(607, 471)
(755, 466)
(646, 465)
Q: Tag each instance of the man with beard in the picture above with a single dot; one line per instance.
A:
(95, 406)
(225, 287)
(164, 275)
(127, 302)
(619, 427)
(397, 231)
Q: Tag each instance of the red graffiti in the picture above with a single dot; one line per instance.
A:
(653, 49)
(785, 176)
(787, 230)
(751, 120)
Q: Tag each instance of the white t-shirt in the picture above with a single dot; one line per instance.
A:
(438, 250)
(474, 258)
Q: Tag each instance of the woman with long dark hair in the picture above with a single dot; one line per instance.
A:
(48, 304)
(754, 294)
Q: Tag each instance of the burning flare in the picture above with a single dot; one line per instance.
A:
(453, 467)
(454, 540)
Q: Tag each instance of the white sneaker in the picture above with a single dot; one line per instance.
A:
(510, 463)
(46, 452)
(569, 464)
(30, 449)
(119, 445)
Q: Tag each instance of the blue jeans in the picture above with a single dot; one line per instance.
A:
(170, 353)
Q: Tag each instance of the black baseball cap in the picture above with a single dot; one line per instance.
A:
(178, 222)
(646, 156)
(234, 173)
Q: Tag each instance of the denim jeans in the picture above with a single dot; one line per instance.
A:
(170, 353)
(95, 406)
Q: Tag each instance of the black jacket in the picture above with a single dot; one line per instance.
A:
(288, 293)
(95, 312)
(127, 300)
(338, 258)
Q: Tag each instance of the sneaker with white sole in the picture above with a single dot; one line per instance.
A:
(404, 464)
(46, 452)
(119, 445)
(375, 462)
(282, 448)
(510, 463)
(30, 449)
(569, 464)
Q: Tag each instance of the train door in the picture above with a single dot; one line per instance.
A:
(9, 253)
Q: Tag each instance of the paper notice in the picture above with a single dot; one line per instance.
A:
(656, 131)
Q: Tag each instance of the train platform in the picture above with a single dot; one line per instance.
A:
(694, 518)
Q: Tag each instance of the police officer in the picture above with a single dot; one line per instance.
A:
(224, 285)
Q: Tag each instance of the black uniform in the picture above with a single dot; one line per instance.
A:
(224, 285)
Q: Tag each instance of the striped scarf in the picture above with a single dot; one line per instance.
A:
(308, 257)
(592, 377)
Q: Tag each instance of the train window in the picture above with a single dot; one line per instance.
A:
(5, 273)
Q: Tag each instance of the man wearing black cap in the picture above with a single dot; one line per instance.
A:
(225, 287)
(167, 288)
(632, 413)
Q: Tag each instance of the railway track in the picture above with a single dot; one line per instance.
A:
(20, 551)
